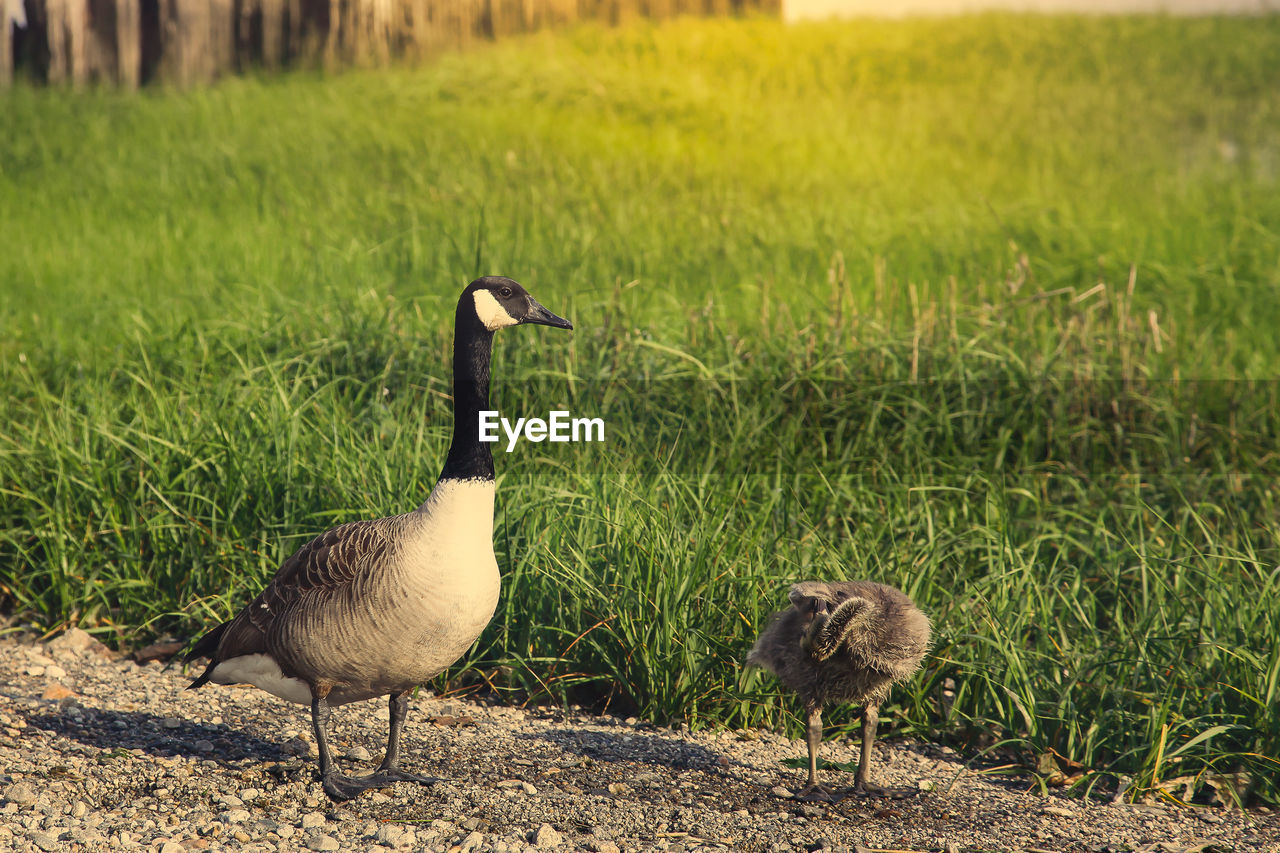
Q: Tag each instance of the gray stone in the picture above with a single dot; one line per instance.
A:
(323, 842)
(45, 841)
(312, 819)
(300, 747)
(546, 836)
(22, 794)
(390, 835)
(73, 641)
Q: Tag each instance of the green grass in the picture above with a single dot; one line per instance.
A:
(979, 307)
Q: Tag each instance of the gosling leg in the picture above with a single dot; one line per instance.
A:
(870, 718)
(814, 737)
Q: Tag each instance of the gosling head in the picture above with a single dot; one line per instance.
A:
(499, 302)
(816, 599)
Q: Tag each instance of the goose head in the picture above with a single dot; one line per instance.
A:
(499, 302)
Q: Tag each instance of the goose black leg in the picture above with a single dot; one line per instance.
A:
(389, 771)
(336, 785)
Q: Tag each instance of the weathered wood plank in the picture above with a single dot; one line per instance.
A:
(6, 47)
(275, 21)
(56, 41)
(222, 39)
(187, 42)
(129, 43)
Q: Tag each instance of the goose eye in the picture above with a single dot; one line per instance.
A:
(505, 293)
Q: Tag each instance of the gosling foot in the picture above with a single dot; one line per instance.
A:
(816, 793)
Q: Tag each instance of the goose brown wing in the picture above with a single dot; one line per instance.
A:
(329, 563)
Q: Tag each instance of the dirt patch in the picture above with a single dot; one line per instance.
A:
(120, 754)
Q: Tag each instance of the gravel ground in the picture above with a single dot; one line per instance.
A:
(98, 752)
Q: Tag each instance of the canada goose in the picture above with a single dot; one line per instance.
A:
(375, 608)
(844, 641)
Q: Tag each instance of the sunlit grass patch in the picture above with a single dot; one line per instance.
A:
(980, 308)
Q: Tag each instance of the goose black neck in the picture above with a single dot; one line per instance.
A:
(469, 458)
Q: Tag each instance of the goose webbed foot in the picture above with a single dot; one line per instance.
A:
(340, 787)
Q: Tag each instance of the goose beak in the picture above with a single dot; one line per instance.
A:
(542, 317)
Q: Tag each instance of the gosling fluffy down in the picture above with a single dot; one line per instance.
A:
(843, 641)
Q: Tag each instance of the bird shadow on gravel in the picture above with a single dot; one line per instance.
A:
(668, 753)
(110, 730)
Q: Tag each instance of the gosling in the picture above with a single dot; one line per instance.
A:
(844, 641)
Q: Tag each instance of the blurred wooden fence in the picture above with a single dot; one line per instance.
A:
(129, 42)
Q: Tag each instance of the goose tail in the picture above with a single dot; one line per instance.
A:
(205, 647)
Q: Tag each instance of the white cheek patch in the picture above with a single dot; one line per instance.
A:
(491, 312)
